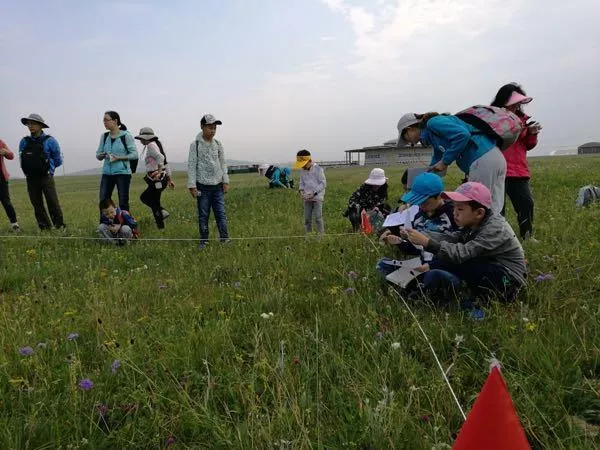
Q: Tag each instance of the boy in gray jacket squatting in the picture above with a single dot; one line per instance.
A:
(312, 189)
(207, 178)
(485, 253)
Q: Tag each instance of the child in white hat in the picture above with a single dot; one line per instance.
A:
(371, 195)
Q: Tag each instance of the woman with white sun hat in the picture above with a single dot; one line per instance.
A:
(372, 194)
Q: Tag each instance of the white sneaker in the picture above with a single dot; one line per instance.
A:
(165, 213)
(15, 226)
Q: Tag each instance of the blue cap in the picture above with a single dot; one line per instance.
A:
(424, 186)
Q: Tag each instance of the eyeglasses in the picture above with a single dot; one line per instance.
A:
(107, 120)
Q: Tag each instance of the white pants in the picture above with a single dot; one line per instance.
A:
(490, 170)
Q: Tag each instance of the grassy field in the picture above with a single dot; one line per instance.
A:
(283, 343)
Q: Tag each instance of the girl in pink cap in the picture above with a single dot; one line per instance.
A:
(512, 97)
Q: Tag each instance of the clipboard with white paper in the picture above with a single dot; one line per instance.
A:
(405, 273)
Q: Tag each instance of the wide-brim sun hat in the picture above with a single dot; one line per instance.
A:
(146, 134)
(376, 177)
(405, 121)
(424, 186)
(34, 118)
(518, 98)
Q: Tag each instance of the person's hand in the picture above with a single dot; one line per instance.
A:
(534, 128)
(422, 268)
(403, 233)
(417, 238)
(171, 184)
(440, 166)
(402, 207)
(225, 188)
(3, 151)
(193, 192)
(113, 158)
(114, 228)
(392, 239)
(100, 156)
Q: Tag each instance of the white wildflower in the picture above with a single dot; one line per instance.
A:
(395, 345)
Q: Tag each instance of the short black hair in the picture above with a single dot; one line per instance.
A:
(504, 94)
(303, 153)
(404, 179)
(106, 203)
(476, 205)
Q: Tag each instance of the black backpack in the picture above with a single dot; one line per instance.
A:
(133, 163)
(269, 171)
(34, 161)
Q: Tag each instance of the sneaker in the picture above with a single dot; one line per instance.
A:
(15, 226)
(202, 245)
(225, 241)
(165, 213)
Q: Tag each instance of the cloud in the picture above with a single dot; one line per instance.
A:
(385, 39)
(314, 72)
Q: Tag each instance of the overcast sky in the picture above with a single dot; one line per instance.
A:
(282, 75)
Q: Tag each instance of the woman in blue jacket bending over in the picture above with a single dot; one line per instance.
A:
(454, 140)
(117, 150)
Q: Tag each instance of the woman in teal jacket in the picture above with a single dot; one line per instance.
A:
(116, 149)
(453, 140)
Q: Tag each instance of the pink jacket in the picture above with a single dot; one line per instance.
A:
(8, 155)
(516, 154)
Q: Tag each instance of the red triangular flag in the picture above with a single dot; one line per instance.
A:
(492, 423)
(365, 223)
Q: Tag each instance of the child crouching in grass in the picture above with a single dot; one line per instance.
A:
(485, 254)
(117, 226)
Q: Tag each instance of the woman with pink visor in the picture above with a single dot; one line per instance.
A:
(512, 97)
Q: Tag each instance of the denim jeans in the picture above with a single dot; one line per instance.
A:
(313, 210)
(215, 199)
(107, 186)
(483, 278)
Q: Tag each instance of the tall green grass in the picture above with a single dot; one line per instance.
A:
(203, 363)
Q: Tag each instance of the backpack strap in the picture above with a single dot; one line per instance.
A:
(122, 137)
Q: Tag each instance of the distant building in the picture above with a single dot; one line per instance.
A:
(388, 153)
(589, 148)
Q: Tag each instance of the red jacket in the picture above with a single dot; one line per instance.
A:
(9, 155)
(516, 154)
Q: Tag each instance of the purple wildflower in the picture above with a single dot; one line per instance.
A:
(26, 351)
(116, 365)
(425, 418)
(350, 291)
(353, 275)
(170, 441)
(72, 336)
(162, 286)
(544, 277)
(86, 384)
(237, 284)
